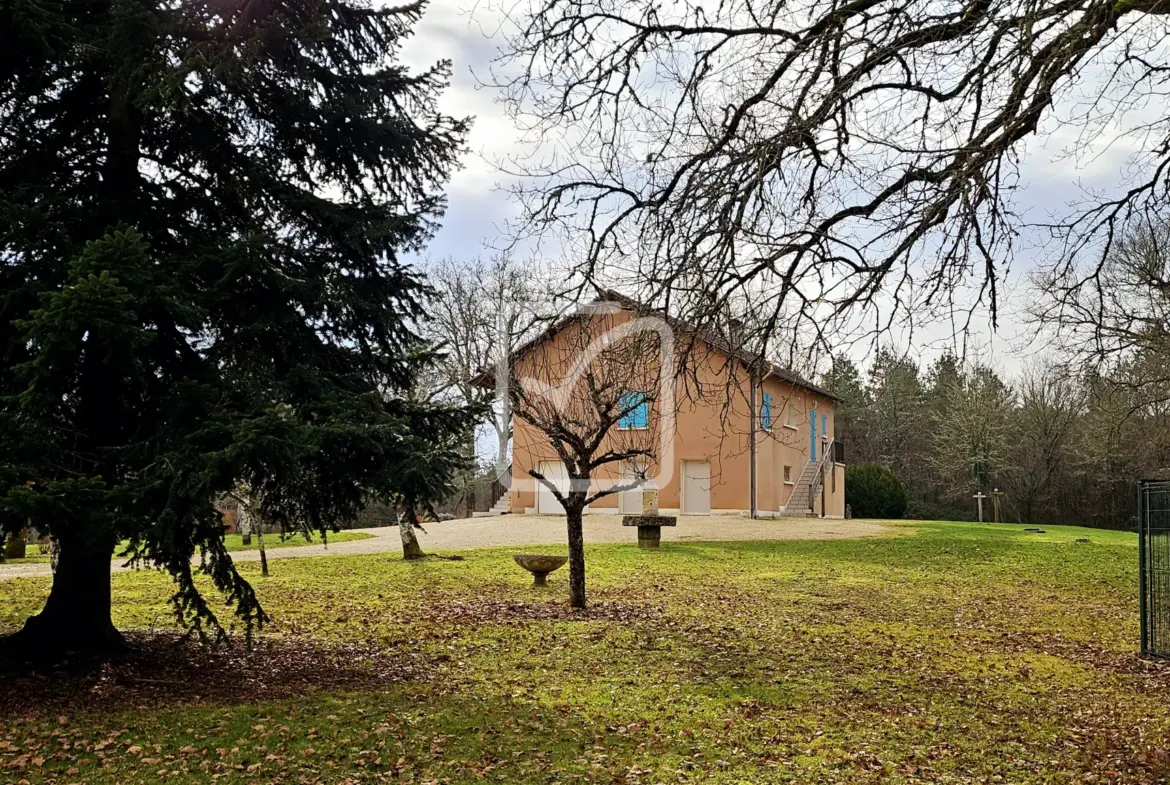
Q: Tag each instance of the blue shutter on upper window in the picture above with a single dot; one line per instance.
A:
(637, 410)
(627, 403)
(766, 412)
(824, 425)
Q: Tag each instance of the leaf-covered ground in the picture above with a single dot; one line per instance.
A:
(234, 542)
(949, 653)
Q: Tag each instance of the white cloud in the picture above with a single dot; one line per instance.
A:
(480, 204)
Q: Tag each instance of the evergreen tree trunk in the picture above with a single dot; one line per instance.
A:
(573, 512)
(263, 553)
(76, 617)
(410, 547)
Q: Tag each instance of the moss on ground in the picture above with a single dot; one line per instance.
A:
(945, 653)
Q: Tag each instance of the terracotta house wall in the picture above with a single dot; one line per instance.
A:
(550, 362)
(711, 423)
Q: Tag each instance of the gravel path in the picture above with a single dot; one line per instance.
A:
(529, 530)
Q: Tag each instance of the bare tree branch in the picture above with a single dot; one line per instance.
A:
(842, 165)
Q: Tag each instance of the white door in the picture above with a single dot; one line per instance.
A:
(696, 488)
(554, 472)
(630, 502)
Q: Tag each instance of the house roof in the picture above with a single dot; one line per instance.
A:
(716, 341)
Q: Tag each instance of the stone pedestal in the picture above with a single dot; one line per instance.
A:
(649, 536)
(649, 527)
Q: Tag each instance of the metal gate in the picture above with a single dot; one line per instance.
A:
(1154, 566)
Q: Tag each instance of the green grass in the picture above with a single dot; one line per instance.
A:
(234, 542)
(945, 653)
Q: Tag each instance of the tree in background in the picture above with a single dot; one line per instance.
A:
(1064, 448)
(482, 311)
(873, 491)
(849, 163)
(1044, 436)
(971, 428)
(844, 380)
(202, 205)
(895, 433)
(430, 458)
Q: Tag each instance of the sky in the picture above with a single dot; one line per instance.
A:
(468, 32)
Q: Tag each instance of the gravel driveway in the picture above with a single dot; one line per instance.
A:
(528, 530)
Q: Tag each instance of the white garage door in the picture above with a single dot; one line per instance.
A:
(696, 488)
(554, 472)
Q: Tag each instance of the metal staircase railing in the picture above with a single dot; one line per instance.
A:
(826, 463)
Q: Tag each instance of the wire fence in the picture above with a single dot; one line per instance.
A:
(1154, 566)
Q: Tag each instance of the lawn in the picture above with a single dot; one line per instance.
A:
(234, 542)
(945, 653)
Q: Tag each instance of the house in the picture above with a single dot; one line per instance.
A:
(705, 459)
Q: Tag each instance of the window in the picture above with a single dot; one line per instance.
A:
(636, 411)
(790, 416)
(766, 412)
(787, 474)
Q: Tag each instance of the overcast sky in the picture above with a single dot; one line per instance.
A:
(479, 206)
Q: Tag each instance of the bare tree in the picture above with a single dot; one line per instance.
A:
(972, 432)
(482, 311)
(1050, 405)
(836, 159)
(249, 518)
(1115, 323)
(592, 393)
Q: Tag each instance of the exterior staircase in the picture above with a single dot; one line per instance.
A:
(499, 508)
(808, 485)
(800, 502)
(499, 489)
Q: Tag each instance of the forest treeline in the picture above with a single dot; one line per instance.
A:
(1063, 447)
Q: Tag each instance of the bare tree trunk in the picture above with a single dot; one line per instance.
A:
(76, 617)
(410, 547)
(576, 554)
(503, 428)
(503, 422)
(248, 519)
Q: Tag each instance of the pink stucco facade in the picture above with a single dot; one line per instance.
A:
(705, 429)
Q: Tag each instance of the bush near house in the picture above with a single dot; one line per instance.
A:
(873, 491)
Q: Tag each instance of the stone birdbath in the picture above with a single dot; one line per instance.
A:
(539, 565)
(649, 527)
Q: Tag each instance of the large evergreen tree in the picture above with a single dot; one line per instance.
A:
(202, 206)
(844, 380)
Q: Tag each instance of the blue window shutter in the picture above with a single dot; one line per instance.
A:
(627, 419)
(766, 412)
(637, 410)
(824, 425)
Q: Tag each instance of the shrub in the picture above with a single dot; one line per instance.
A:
(873, 491)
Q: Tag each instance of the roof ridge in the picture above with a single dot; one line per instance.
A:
(714, 338)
